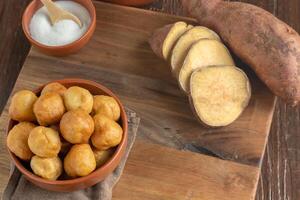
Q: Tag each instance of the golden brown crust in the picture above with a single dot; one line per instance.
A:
(49, 108)
(44, 142)
(107, 106)
(17, 140)
(77, 126)
(107, 134)
(21, 106)
(80, 161)
(54, 87)
(77, 97)
(47, 168)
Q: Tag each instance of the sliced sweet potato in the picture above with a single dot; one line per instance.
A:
(267, 44)
(184, 43)
(203, 53)
(163, 39)
(219, 94)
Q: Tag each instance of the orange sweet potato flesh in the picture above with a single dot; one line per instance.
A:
(268, 45)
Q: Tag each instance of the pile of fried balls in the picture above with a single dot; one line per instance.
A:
(64, 124)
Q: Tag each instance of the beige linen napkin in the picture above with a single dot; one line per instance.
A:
(19, 188)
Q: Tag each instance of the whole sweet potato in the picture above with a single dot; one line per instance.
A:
(267, 44)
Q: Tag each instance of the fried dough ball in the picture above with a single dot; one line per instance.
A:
(54, 87)
(102, 156)
(17, 140)
(77, 126)
(77, 97)
(80, 160)
(21, 106)
(108, 133)
(44, 142)
(65, 145)
(49, 108)
(107, 106)
(47, 168)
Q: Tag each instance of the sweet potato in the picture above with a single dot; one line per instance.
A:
(184, 43)
(219, 94)
(203, 53)
(268, 45)
(162, 41)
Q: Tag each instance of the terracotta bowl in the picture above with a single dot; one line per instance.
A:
(64, 49)
(96, 176)
(131, 2)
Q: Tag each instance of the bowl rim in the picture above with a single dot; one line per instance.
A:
(89, 31)
(96, 172)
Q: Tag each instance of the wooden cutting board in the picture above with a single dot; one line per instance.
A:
(174, 157)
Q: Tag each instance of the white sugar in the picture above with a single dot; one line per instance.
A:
(62, 32)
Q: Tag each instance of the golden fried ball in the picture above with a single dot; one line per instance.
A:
(107, 106)
(77, 97)
(108, 133)
(102, 156)
(77, 126)
(65, 145)
(17, 140)
(44, 142)
(80, 160)
(54, 87)
(49, 108)
(47, 168)
(21, 106)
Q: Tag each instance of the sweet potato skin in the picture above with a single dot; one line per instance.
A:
(268, 45)
(157, 39)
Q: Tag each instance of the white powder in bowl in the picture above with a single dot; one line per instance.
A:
(63, 32)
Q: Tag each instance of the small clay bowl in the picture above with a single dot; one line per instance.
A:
(131, 2)
(96, 176)
(64, 49)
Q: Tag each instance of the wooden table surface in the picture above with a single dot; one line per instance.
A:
(280, 179)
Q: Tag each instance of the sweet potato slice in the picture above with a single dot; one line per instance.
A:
(219, 94)
(184, 43)
(205, 52)
(162, 41)
(267, 44)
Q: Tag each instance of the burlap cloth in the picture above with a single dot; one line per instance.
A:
(19, 188)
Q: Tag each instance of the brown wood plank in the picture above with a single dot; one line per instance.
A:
(281, 177)
(169, 174)
(276, 162)
(13, 45)
(119, 57)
